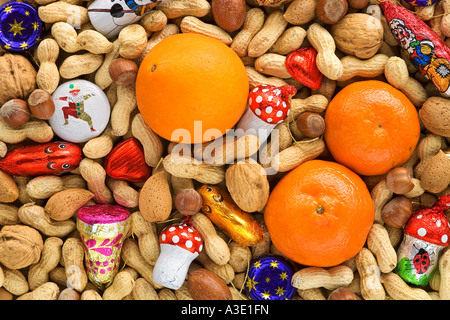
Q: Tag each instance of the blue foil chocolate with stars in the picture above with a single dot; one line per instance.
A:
(269, 278)
(421, 3)
(20, 26)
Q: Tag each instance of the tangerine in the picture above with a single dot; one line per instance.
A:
(319, 214)
(187, 78)
(371, 127)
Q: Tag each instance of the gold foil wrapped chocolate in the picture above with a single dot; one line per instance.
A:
(220, 208)
(102, 229)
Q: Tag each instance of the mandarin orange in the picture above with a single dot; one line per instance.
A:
(371, 127)
(319, 214)
(191, 88)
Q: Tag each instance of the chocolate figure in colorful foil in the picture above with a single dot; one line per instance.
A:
(42, 159)
(102, 228)
(180, 245)
(75, 108)
(110, 16)
(424, 47)
(425, 234)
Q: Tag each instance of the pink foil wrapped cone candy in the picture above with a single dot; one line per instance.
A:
(426, 233)
(180, 244)
(423, 46)
(268, 105)
(102, 229)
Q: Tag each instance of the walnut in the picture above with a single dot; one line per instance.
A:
(17, 77)
(20, 246)
(358, 34)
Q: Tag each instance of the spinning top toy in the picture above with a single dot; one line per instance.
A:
(103, 229)
(425, 234)
(268, 105)
(180, 244)
(42, 159)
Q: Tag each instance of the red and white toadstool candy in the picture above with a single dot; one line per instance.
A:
(268, 105)
(180, 244)
(426, 233)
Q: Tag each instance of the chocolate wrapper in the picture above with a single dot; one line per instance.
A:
(220, 208)
(427, 51)
(20, 26)
(417, 260)
(421, 3)
(102, 229)
(426, 233)
(269, 278)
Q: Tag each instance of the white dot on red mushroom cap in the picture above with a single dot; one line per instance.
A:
(269, 120)
(269, 110)
(258, 112)
(250, 101)
(438, 223)
(163, 237)
(422, 232)
(444, 238)
(190, 230)
(265, 90)
(198, 239)
(255, 90)
(188, 244)
(175, 239)
(279, 113)
(172, 228)
(259, 99)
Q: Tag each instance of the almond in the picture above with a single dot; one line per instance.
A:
(155, 198)
(64, 204)
(9, 192)
(248, 185)
(436, 175)
(435, 115)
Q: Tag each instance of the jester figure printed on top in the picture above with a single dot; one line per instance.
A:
(421, 51)
(110, 16)
(75, 106)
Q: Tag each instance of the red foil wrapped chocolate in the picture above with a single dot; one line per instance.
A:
(127, 162)
(424, 47)
(301, 64)
(42, 159)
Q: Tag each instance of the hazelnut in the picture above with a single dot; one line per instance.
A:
(311, 124)
(396, 212)
(399, 181)
(188, 201)
(331, 11)
(357, 4)
(343, 293)
(41, 104)
(15, 112)
(123, 71)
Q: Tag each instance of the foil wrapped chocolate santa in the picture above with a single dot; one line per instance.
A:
(426, 49)
(425, 235)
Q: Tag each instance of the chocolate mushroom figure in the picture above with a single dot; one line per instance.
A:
(268, 106)
(180, 245)
(425, 234)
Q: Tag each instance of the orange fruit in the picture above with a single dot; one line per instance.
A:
(190, 77)
(319, 214)
(371, 127)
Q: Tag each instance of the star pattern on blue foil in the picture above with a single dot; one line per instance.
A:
(269, 279)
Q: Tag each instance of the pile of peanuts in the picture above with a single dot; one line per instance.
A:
(43, 209)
